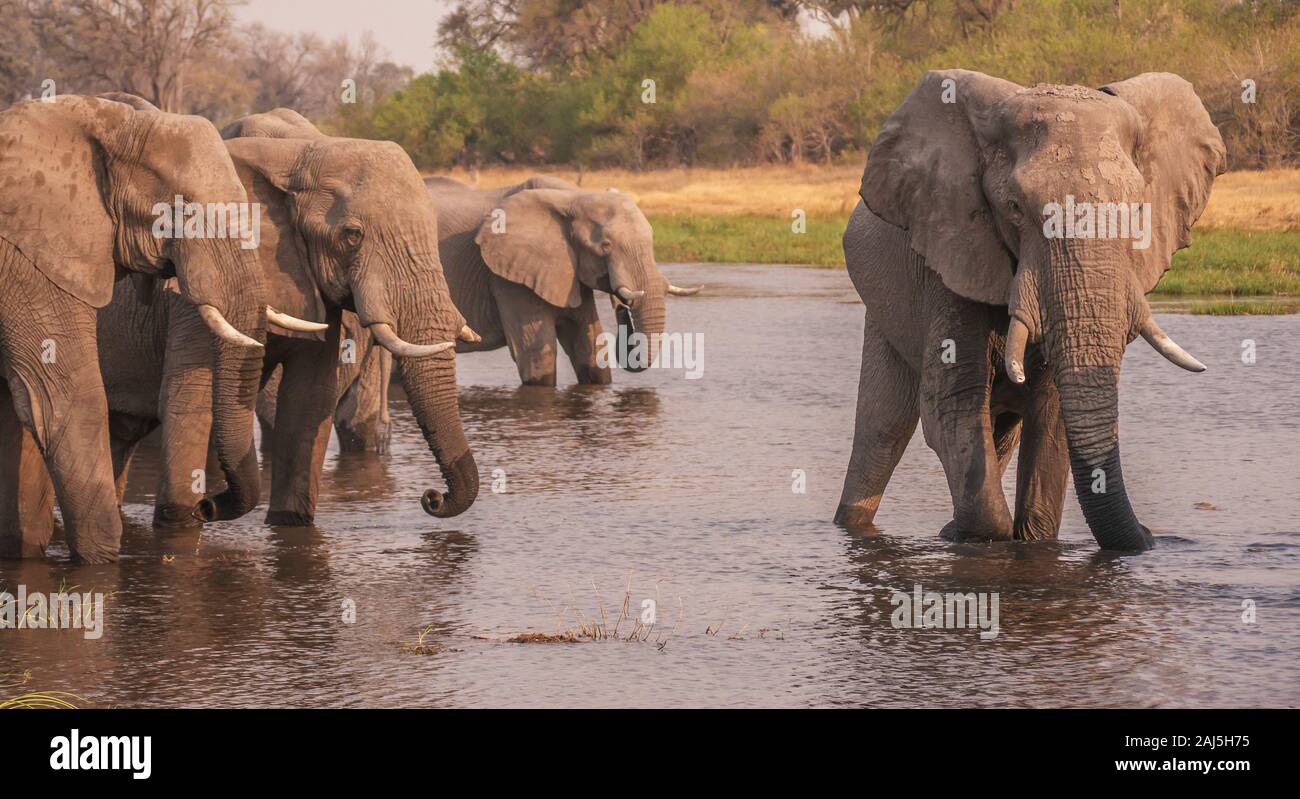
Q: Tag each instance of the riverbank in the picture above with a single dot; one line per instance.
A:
(1246, 245)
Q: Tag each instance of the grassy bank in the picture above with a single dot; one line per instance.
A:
(1246, 244)
(1240, 263)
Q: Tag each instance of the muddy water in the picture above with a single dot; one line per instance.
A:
(681, 491)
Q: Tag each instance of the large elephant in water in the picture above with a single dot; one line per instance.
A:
(1005, 242)
(347, 224)
(86, 181)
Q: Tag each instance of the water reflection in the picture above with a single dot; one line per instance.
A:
(680, 492)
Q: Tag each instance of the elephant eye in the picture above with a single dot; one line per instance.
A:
(606, 246)
(352, 237)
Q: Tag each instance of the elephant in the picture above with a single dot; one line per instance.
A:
(528, 287)
(365, 369)
(524, 263)
(87, 180)
(991, 323)
(347, 227)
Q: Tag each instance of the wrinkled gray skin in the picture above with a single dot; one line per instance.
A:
(345, 224)
(531, 288)
(81, 177)
(949, 246)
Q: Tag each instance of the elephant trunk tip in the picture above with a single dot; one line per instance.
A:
(206, 510)
(462, 489)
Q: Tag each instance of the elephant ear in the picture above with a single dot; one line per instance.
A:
(526, 240)
(925, 174)
(267, 167)
(51, 207)
(1180, 154)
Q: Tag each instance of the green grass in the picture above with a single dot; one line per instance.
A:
(1240, 308)
(1242, 263)
(748, 239)
(1234, 263)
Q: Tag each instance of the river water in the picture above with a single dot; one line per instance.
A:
(682, 492)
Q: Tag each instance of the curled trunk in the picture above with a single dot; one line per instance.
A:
(430, 385)
(422, 316)
(236, 377)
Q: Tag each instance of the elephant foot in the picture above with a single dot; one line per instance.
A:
(350, 441)
(594, 376)
(540, 381)
(960, 532)
(1037, 530)
(176, 517)
(289, 518)
(855, 518)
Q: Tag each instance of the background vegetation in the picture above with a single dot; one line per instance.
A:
(760, 107)
(735, 81)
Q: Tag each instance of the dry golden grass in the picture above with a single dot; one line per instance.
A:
(763, 190)
(1241, 200)
(1255, 201)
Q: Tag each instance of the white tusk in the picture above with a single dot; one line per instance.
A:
(1167, 347)
(224, 329)
(467, 334)
(293, 323)
(628, 295)
(677, 291)
(1014, 358)
(390, 341)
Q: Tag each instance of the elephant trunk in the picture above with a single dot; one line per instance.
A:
(430, 385)
(1088, 314)
(236, 376)
(633, 269)
(423, 318)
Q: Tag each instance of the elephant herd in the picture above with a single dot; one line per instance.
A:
(357, 271)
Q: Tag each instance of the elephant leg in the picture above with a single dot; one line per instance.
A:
(266, 411)
(49, 346)
(26, 493)
(361, 418)
(1007, 428)
(125, 433)
(304, 413)
(956, 388)
(529, 327)
(578, 333)
(1043, 472)
(887, 412)
(185, 401)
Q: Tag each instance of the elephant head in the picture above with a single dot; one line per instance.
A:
(86, 180)
(980, 172)
(348, 222)
(556, 241)
(278, 123)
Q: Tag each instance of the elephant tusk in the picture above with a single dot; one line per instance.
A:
(389, 340)
(1167, 347)
(629, 296)
(467, 334)
(293, 323)
(224, 329)
(678, 291)
(1014, 360)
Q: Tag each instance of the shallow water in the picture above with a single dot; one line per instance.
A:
(684, 488)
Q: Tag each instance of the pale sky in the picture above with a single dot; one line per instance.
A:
(407, 29)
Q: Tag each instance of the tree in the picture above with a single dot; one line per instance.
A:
(146, 47)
